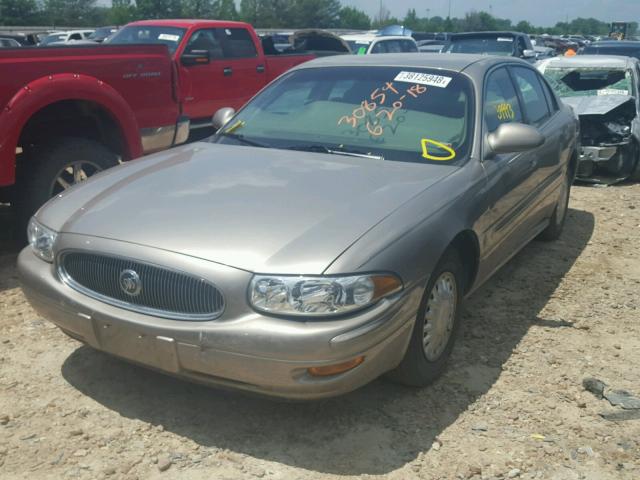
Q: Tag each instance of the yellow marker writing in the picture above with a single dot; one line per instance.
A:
(235, 126)
(425, 153)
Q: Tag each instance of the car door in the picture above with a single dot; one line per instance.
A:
(242, 65)
(205, 85)
(509, 176)
(547, 175)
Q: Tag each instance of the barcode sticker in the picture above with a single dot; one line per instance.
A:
(423, 79)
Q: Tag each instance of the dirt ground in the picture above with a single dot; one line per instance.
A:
(511, 404)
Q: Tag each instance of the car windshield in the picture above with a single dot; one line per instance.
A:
(400, 114)
(589, 81)
(358, 47)
(169, 36)
(54, 38)
(502, 46)
(102, 33)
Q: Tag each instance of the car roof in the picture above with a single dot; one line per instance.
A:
(616, 43)
(188, 23)
(370, 37)
(454, 62)
(606, 61)
(487, 34)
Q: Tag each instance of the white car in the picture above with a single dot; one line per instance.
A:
(364, 44)
(66, 37)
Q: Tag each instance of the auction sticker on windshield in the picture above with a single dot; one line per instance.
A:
(423, 79)
(169, 37)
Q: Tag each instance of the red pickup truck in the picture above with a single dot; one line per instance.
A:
(68, 112)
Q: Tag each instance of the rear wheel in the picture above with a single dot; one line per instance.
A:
(436, 326)
(51, 168)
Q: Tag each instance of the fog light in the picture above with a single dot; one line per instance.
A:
(335, 369)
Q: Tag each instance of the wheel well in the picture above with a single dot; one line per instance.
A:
(73, 118)
(466, 244)
(573, 164)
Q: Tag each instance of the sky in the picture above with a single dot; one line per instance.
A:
(538, 12)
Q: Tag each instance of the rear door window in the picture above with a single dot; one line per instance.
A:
(237, 43)
(408, 46)
(501, 104)
(530, 89)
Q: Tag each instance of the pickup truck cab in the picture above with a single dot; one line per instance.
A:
(219, 63)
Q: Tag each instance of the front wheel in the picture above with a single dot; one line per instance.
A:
(436, 326)
(51, 168)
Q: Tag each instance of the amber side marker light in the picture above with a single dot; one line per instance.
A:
(329, 370)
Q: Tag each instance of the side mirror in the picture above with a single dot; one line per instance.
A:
(514, 137)
(528, 53)
(222, 117)
(195, 57)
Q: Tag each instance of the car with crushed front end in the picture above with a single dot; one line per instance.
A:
(325, 236)
(603, 91)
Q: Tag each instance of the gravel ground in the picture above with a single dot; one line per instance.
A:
(511, 405)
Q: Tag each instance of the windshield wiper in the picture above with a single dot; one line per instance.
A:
(243, 140)
(334, 151)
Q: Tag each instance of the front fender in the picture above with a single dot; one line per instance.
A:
(55, 88)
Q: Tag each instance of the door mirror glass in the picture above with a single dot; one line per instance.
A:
(514, 137)
(195, 57)
(222, 117)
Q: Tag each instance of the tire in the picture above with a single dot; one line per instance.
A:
(635, 173)
(556, 223)
(422, 365)
(45, 163)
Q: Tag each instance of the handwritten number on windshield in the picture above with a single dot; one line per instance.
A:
(378, 98)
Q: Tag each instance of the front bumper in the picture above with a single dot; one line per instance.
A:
(242, 349)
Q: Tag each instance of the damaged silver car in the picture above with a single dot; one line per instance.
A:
(603, 91)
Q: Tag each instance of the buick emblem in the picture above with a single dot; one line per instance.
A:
(130, 282)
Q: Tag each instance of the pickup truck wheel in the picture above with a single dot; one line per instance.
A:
(436, 326)
(556, 223)
(51, 168)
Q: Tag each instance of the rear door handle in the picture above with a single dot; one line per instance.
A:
(260, 69)
(228, 71)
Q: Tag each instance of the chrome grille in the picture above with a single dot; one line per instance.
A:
(164, 293)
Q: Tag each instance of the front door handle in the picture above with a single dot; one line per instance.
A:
(228, 71)
(260, 69)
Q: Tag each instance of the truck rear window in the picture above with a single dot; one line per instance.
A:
(143, 34)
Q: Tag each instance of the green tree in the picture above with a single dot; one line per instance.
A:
(350, 17)
(225, 10)
(249, 10)
(411, 20)
(198, 9)
(18, 12)
(68, 12)
(159, 9)
(524, 27)
(315, 13)
(121, 12)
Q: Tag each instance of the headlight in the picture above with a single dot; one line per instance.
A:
(41, 240)
(319, 296)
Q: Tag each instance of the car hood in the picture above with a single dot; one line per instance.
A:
(596, 104)
(261, 210)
